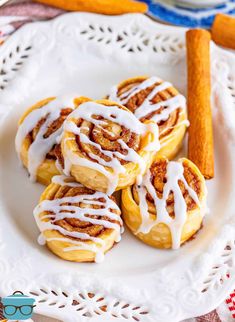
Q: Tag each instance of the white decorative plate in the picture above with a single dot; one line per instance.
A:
(86, 54)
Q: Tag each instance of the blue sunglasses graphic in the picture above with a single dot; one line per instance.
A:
(18, 306)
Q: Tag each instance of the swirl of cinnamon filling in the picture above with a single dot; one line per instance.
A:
(170, 195)
(105, 137)
(158, 179)
(78, 223)
(51, 128)
(38, 136)
(151, 98)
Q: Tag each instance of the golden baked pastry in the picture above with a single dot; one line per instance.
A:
(38, 135)
(105, 147)
(168, 206)
(153, 99)
(77, 224)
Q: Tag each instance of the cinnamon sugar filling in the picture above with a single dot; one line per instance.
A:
(74, 224)
(165, 127)
(158, 179)
(107, 137)
(54, 126)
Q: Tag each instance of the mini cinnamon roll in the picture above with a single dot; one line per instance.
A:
(105, 147)
(77, 223)
(167, 207)
(156, 100)
(38, 136)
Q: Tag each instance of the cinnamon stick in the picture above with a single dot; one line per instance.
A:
(200, 141)
(108, 7)
(223, 31)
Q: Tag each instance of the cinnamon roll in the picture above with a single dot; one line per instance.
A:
(105, 147)
(168, 206)
(153, 99)
(77, 223)
(38, 136)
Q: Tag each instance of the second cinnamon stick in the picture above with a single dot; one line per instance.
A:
(223, 30)
(200, 142)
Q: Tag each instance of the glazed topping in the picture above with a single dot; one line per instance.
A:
(80, 215)
(151, 99)
(168, 191)
(108, 137)
(43, 128)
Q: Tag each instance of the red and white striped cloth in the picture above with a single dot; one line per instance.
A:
(13, 17)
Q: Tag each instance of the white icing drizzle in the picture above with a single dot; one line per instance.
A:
(115, 115)
(175, 172)
(65, 208)
(41, 240)
(41, 146)
(147, 106)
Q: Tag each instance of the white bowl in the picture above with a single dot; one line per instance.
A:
(199, 3)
